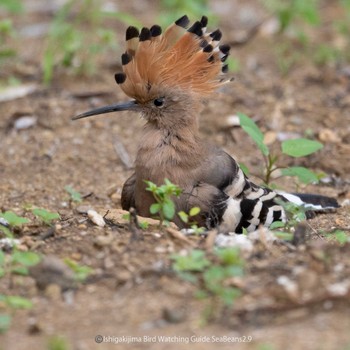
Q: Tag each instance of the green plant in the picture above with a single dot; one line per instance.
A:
(13, 220)
(164, 206)
(295, 148)
(78, 36)
(294, 12)
(47, 217)
(295, 214)
(75, 196)
(339, 236)
(143, 224)
(173, 9)
(211, 273)
(81, 272)
(17, 262)
(186, 218)
(14, 6)
(57, 343)
(11, 303)
(6, 33)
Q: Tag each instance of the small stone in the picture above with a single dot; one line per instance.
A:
(83, 209)
(108, 263)
(53, 292)
(339, 289)
(123, 276)
(231, 121)
(25, 122)
(270, 137)
(96, 218)
(173, 315)
(289, 286)
(328, 135)
(34, 327)
(102, 241)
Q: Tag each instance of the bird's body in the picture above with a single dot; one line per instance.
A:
(168, 75)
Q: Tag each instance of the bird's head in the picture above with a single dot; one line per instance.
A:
(167, 74)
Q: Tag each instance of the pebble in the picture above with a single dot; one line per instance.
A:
(102, 241)
(96, 218)
(328, 135)
(289, 286)
(53, 292)
(83, 209)
(240, 241)
(25, 123)
(339, 289)
(173, 315)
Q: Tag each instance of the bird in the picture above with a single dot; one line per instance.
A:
(168, 75)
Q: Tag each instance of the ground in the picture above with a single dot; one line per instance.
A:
(133, 291)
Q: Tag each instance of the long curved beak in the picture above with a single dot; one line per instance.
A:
(126, 106)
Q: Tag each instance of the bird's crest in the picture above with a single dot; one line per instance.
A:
(189, 59)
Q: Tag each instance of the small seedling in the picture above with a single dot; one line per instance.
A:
(11, 303)
(143, 224)
(295, 215)
(164, 206)
(186, 218)
(81, 272)
(17, 262)
(45, 216)
(13, 221)
(57, 343)
(75, 196)
(211, 273)
(294, 148)
(339, 236)
(173, 9)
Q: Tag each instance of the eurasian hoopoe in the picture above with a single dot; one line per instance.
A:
(168, 74)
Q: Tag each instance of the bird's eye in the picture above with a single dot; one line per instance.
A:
(159, 102)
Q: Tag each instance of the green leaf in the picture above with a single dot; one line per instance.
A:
(340, 236)
(229, 294)
(20, 270)
(6, 231)
(75, 196)
(168, 208)
(81, 272)
(229, 256)
(300, 147)
(144, 225)
(25, 258)
(244, 168)
(46, 216)
(2, 258)
(194, 261)
(284, 235)
(5, 322)
(13, 219)
(183, 216)
(17, 302)
(154, 208)
(277, 224)
(195, 211)
(249, 126)
(304, 175)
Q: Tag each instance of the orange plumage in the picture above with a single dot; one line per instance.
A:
(188, 59)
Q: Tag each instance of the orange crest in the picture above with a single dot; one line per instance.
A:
(184, 58)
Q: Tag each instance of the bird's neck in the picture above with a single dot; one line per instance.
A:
(169, 148)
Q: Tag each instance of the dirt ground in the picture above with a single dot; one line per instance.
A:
(133, 292)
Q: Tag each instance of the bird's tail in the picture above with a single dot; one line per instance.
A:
(262, 206)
